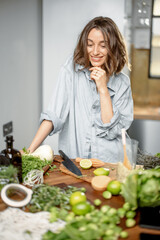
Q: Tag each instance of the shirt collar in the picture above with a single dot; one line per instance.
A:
(78, 67)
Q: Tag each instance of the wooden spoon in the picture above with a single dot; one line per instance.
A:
(126, 161)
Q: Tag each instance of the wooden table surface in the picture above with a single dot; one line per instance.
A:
(56, 177)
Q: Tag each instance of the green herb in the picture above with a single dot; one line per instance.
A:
(28, 232)
(45, 197)
(148, 161)
(7, 175)
(25, 150)
(142, 188)
(158, 155)
(30, 162)
(52, 167)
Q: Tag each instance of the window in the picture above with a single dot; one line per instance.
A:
(154, 59)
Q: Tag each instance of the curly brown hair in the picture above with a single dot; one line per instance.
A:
(117, 55)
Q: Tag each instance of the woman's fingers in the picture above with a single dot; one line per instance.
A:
(100, 78)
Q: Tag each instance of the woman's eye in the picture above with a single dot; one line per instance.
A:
(103, 46)
(89, 45)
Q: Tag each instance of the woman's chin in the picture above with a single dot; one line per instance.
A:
(96, 64)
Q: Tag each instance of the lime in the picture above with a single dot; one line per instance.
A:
(114, 187)
(81, 208)
(121, 212)
(83, 189)
(105, 208)
(130, 214)
(86, 163)
(130, 222)
(127, 206)
(123, 234)
(101, 171)
(97, 202)
(77, 197)
(70, 217)
(107, 194)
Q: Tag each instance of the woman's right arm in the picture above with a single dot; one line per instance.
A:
(44, 130)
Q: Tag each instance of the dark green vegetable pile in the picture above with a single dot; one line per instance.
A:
(30, 162)
(45, 197)
(8, 174)
(98, 224)
(142, 188)
(147, 160)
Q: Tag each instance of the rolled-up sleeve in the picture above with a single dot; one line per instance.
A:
(122, 103)
(58, 108)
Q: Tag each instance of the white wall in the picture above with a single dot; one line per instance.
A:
(62, 23)
(20, 68)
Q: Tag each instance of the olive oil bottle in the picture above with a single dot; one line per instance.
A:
(14, 155)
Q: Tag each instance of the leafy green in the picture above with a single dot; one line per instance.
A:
(25, 150)
(45, 197)
(30, 162)
(94, 225)
(157, 155)
(8, 174)
(142, 188)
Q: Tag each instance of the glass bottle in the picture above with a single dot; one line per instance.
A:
(14, 155)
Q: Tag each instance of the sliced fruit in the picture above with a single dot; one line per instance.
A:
(78, 159)
(101, 171)
(100, 183)
(96, 162)
(86, 163)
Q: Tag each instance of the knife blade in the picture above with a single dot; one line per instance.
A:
(69, 164)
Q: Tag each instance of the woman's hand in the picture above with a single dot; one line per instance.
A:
(100, 77)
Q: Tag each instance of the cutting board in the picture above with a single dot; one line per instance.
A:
(87, 174)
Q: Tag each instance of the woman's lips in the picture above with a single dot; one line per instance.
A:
(96, 59)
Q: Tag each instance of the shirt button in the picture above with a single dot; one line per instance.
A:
(94, 106)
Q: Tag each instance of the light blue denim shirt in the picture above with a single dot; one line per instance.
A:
(75, 112)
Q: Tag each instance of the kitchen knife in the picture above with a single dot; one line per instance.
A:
(69, 164)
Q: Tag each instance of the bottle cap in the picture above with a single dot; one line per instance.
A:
(9, 138)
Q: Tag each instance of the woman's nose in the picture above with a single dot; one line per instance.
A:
(95, 50)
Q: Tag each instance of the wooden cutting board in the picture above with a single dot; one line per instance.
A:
(88, 174)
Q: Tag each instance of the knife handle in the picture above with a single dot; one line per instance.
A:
(62, 154)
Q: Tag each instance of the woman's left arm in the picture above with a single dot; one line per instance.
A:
(101, 79)
(119, 107)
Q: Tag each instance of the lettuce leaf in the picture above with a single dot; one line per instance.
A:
(142, 188)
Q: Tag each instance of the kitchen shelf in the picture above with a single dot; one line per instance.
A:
(147, 112)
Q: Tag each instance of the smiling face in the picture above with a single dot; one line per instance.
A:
(96, 48)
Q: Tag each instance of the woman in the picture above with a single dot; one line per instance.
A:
(92, 101)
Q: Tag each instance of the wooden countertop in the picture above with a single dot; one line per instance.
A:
(147, 112)
(55, 177)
